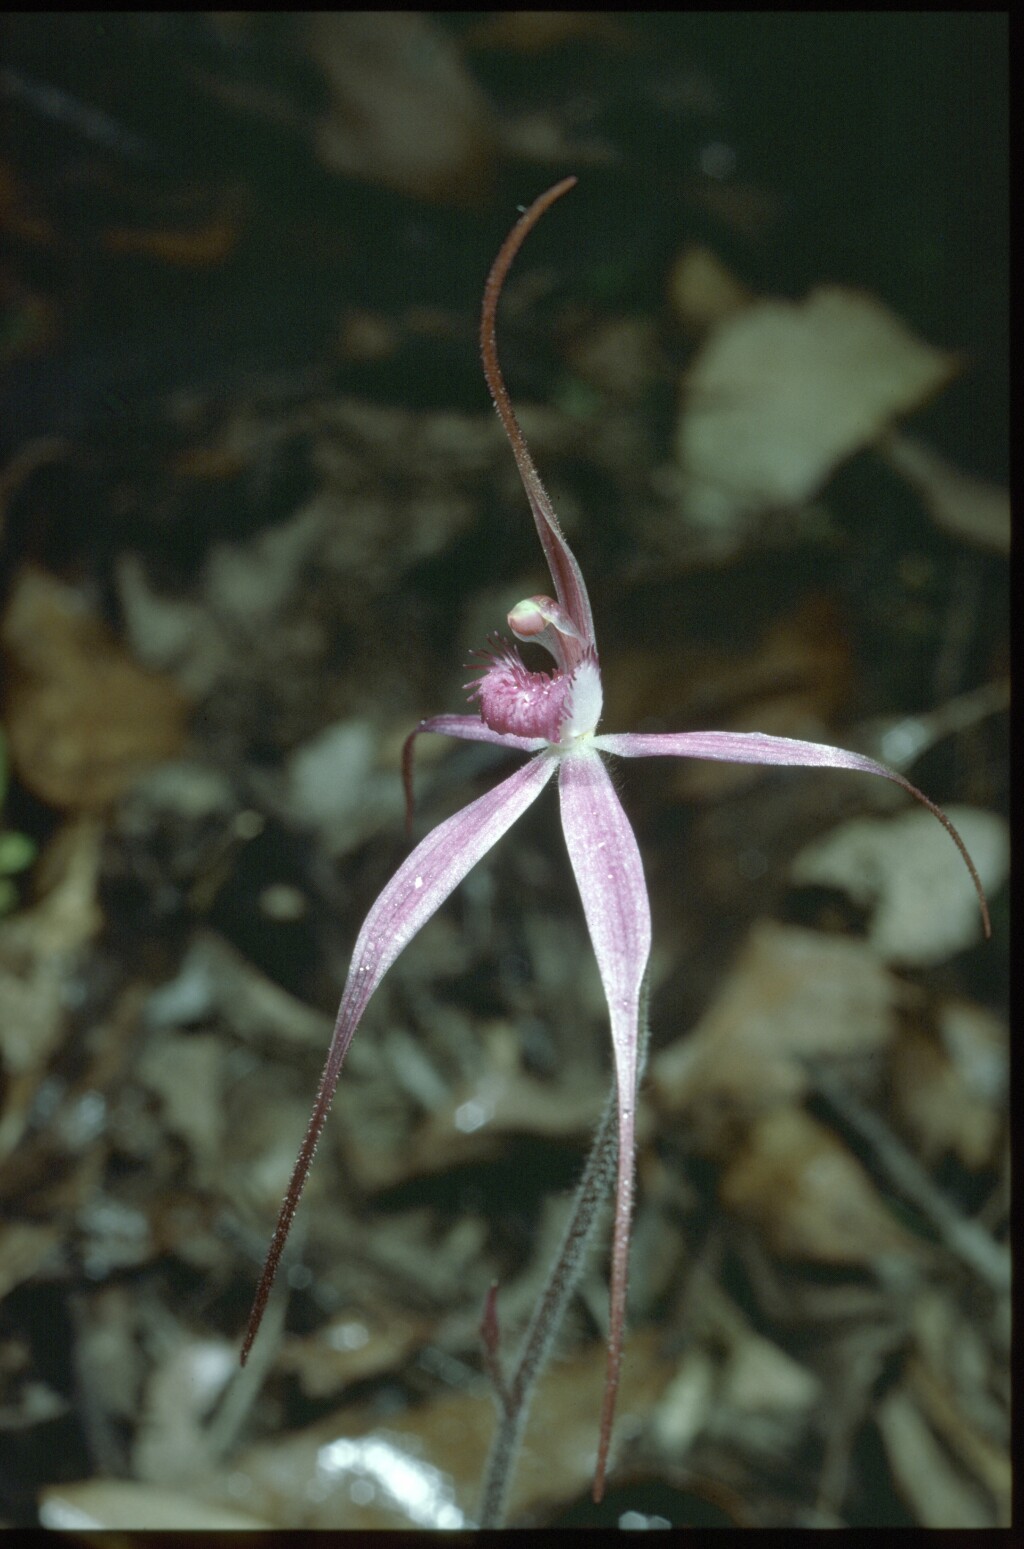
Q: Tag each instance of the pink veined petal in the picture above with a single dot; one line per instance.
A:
(739, 747)
(610, 878)
(754, 747)
(418, 888)
(471, 729)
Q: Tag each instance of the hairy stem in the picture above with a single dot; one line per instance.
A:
(514, 1395)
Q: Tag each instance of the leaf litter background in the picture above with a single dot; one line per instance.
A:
(256, 512)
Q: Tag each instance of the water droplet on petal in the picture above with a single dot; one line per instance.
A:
(417, 881)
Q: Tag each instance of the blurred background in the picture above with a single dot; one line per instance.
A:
(256, 511)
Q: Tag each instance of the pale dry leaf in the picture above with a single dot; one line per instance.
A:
(24, 1246)
(936, 1492)
(951, 1100)
(422, 1467)
(93, 1504)
(685, 1406)
(171, 1444)
(39, 967)
(978, 1043)
(702, 291)
(540, 32)
(404, 110)
(807, 1195)
(335, 784)
(966, 506)
(949, 1374)
(215, 981)
(906, 870)
(977, 1454)
(760, 1378)
(782, 393)
(185, 1072)
(757, 1396)
(474, 1127)
(792, 997)
(352, 1348)
(110, 1359)
(83, 718)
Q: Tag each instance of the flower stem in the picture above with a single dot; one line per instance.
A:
(513, 1396)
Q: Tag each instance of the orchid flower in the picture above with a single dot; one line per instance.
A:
(553, 716)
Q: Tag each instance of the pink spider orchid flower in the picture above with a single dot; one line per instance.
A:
(552, 716)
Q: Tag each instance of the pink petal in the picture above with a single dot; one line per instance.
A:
(471, 729)
(418, 888)
(739, 747)
(754, 747)
(610, 877)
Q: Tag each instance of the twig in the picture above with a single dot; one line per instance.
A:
(901, 740)
(963, 1237)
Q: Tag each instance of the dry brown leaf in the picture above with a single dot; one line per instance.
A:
(352, 1348)
(908, 871)
(951, 1100)
(804, 1192)
(975, 1452)
(198, 246)
(185, 1071)
(702, 291)
(216, 981)
(83, 718)
(37, 961)
(947, 1374)
(685, 1406)
(189, 1376)
(423, 1467)
(782, 393)
(475, 1127)
(24, 1246)
(618, 357)
(540, 32)
(753, 1393)
(936, 1493)
(404, 111)
(793, 681)
(466, 1118)
(793, 996)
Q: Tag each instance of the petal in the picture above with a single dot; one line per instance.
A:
(739, 747)
(754, 747)
(610, 877)
(418, 888)
(471, 729)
